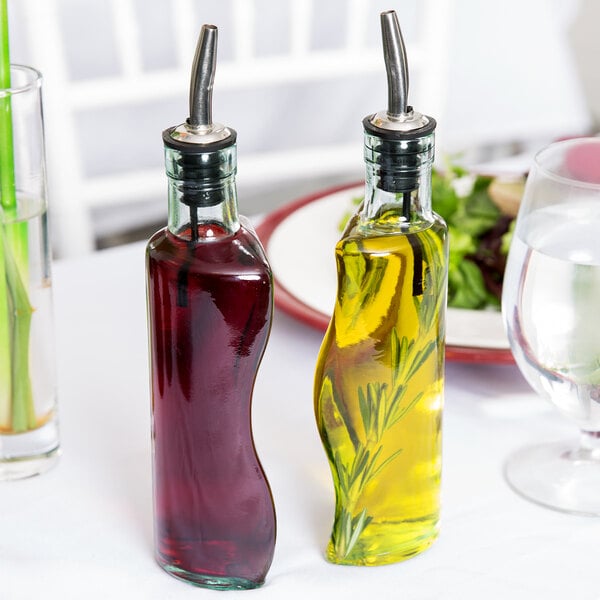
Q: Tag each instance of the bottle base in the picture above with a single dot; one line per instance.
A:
(207, 580)
(34, 452)
(398, 553)
(29, 466)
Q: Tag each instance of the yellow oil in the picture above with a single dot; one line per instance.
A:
(379, 393)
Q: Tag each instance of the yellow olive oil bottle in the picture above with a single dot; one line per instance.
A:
(379, 377)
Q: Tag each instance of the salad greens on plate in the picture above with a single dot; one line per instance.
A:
(479, 237)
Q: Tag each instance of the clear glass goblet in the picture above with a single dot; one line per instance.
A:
(551, 309)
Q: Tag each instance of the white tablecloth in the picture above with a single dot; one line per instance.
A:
(84, 529)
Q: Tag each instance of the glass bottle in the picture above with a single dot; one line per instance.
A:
(210, 309)
(379, 375)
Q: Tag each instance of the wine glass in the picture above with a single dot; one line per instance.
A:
(551, 309)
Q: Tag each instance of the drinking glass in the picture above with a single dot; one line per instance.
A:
(551, 308)
(29, 438)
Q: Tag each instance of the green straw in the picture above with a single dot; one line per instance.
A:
(16, 400)
(7, 200)
(7, 160)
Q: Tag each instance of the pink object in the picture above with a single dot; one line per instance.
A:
(583, 163)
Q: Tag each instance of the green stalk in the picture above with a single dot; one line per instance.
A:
(5, 343)
(23, 414)
(16, 401)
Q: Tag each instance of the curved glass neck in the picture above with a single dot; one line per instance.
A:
(397, 185)
(202, 194)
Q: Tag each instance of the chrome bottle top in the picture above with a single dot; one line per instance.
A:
(400, 121)
(199, 133)
(399, 141)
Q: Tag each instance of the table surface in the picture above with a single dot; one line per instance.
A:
(84, 529)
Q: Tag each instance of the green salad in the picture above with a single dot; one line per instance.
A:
(479, 235)
(479, 238)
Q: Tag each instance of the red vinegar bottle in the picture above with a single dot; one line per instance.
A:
(209, 314)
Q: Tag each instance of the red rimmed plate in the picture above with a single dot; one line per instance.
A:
(300, 238)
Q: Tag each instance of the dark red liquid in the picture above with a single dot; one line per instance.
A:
(210, 309)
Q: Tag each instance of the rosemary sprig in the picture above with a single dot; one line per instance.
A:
(381, 407)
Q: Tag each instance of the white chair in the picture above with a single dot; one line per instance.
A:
(77, 196)
(295, 78)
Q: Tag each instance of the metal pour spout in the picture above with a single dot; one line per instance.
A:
(203, 76)
(396, 65)
(199, 128)
(399, 117)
